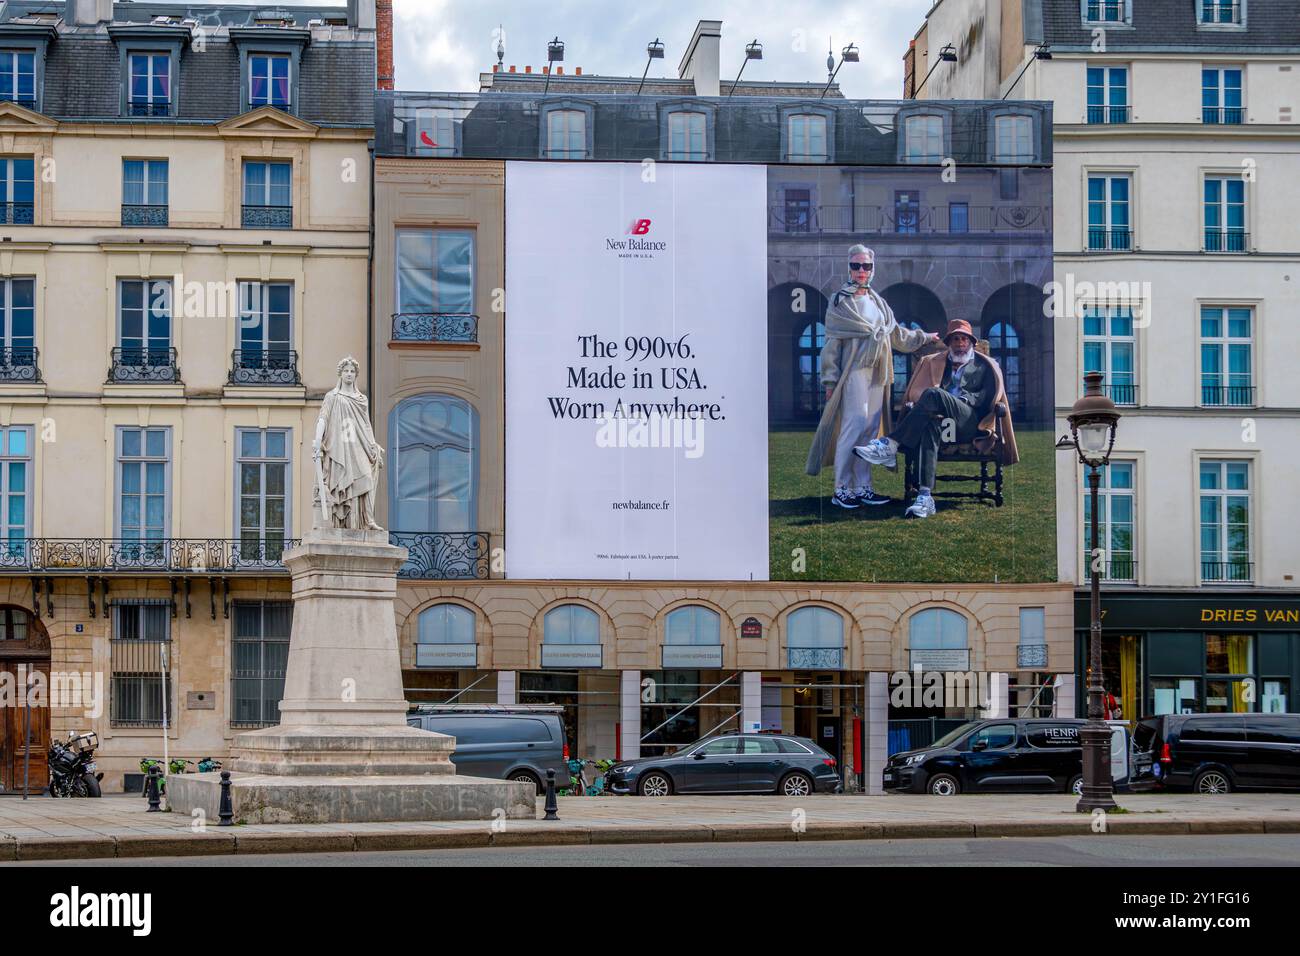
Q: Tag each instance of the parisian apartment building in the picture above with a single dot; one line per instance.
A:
(183, 262)
(1177, 148)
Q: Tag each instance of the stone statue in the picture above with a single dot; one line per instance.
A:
(346, 455)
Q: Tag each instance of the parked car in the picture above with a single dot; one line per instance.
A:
(731, 763)
(1002, 755)
(1217, 753)
(505, 741)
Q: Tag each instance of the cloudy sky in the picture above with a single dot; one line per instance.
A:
(445, 44)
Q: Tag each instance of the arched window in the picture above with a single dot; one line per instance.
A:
(693, 625)
(815, 638)
(937, 628)
(1004, 348)
(923, 138)
(809, 394)
(571, 624)
(434, 459)
(446, 624)
(13, 624)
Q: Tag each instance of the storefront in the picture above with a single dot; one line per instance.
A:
(1194, 652)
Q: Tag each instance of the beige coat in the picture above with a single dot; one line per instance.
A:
(929, 374)
(856, 339)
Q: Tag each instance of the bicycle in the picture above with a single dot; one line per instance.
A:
(578, 785)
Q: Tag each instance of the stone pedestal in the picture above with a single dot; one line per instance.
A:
(342, 752)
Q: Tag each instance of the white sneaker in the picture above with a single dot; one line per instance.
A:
(878, 451)
(922, 507)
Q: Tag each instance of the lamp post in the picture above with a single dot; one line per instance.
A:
(654, 50)
(554, 54)
(847, 55)
(753, 51)
(1042, 52)
(1092, 426)
(947, 54)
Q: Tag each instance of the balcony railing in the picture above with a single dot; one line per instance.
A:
(1226, 240)
(20, 365)
(815, 658)
(1009, 219)
(153, 366)
(435, 327)
(268, 217)
(1121, 393)
(128, 555)
(149, 109)
(140, 215)
(1238, 571)
(1118, 568)
(17, 213)
(1228, 395)
(1107, 114)
(444, 555)
(1223, 115)
(264, 367)
(1115, 239)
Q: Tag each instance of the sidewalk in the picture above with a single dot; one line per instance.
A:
(42, 828)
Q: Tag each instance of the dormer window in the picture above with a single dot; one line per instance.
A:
(807, 134)
(18, 77)
(149, 90)
(1107, 11)
(1221, 12)
(268, 80)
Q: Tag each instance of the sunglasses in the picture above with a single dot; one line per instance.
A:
(857, 266)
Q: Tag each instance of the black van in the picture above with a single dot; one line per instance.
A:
(1217, 753)
(1002, 755)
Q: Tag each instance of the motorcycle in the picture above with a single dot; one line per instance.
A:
(72, 766)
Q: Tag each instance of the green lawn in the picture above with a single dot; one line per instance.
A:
(966, 541)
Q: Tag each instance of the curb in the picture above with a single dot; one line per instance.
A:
(245, 843)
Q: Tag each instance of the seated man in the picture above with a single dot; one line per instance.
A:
(952, 398)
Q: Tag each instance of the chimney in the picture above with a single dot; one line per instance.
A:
(361, 14)
(383, 44)
(701, 61)
(87, 13)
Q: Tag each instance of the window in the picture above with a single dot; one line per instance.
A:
(259, 653)
(566, 134)
(1220, 11)
(446, 624)
(1115, 517)
(1225, 214)
(815, 638)
(1225, 521)
(571, 624)
(1108, 94)
(693, 625)
(1226, 360)
(14, 624)
(1013, 139)
(687, 136)
(141, 662)
(936, 628)
(720, 748)
(144, 192)
(1110, 347)
(798, 210)
(434, 449)
(18, 318)
(1004, 348)
(268, 195)
(1229, 674)
(1106, 11)
(143, 459)
(144, 352)
(265, 354)
(1221, 96)
(268, 80)
(996, 737)
(435, 286)
(434, 132)
(806, 140)
(18, 77)
(1031, 650)
(17, 190)
(758, 745)
(958, 217)
(15, 488)
(1109, 222)
(923, 139)
(907, 211)
(149, 89)
(262, 476)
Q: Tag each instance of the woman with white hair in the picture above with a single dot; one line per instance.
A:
(857, 370)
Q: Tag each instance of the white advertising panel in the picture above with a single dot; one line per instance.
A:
(636, 371)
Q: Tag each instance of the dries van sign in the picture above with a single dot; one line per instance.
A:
(1191, 613)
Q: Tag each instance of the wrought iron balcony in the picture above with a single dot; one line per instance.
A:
(1226, 240)
(151, 366)
(1104, 115)
(264, 367)
(815, 658)
(169, 556)
(1121, 393)
(144, 108)
(1115, 239)
(444, 555)
(140, 215)
(1229, 395)
(435, 327)
(268, 217)
(20, 365)
(1118, 568)
(804, 218)
(1223, 115)
(17, 213)
(1232, 571)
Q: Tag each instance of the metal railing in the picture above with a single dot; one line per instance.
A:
(1107, 114)
(444, 555)
(1239, 571)
(1121, 393)
(1223, 115)
(785, 218)
(136, 698)
(264, 367)
(134, 214)
(17, 213)
(144, 108)
(920, 732)
(1121, 568)
(129, 555)
(153, 365)
(815, 658)
(1229, 395)
(20, 364)
(1115, 239)
(1226, 240)
(268, 217)
(435, 327)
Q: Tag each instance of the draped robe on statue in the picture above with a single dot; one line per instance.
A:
(348, 461)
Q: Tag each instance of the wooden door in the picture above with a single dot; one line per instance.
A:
(16, 755)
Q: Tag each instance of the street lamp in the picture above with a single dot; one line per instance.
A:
(947, 54)
(1041, 52)
(753, 51)
(554, 54)
(654, 51)
(848, 55)
(1092, 427)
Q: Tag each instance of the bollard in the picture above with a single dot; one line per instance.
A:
(551, 805)
(227, 810)
(151, 787)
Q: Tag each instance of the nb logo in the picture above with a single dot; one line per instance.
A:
(639, 228)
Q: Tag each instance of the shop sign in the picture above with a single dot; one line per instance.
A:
(941, 659)
(1191, 613)
(692, 656)
(446, 655)
(571, 655)
(751, 627)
